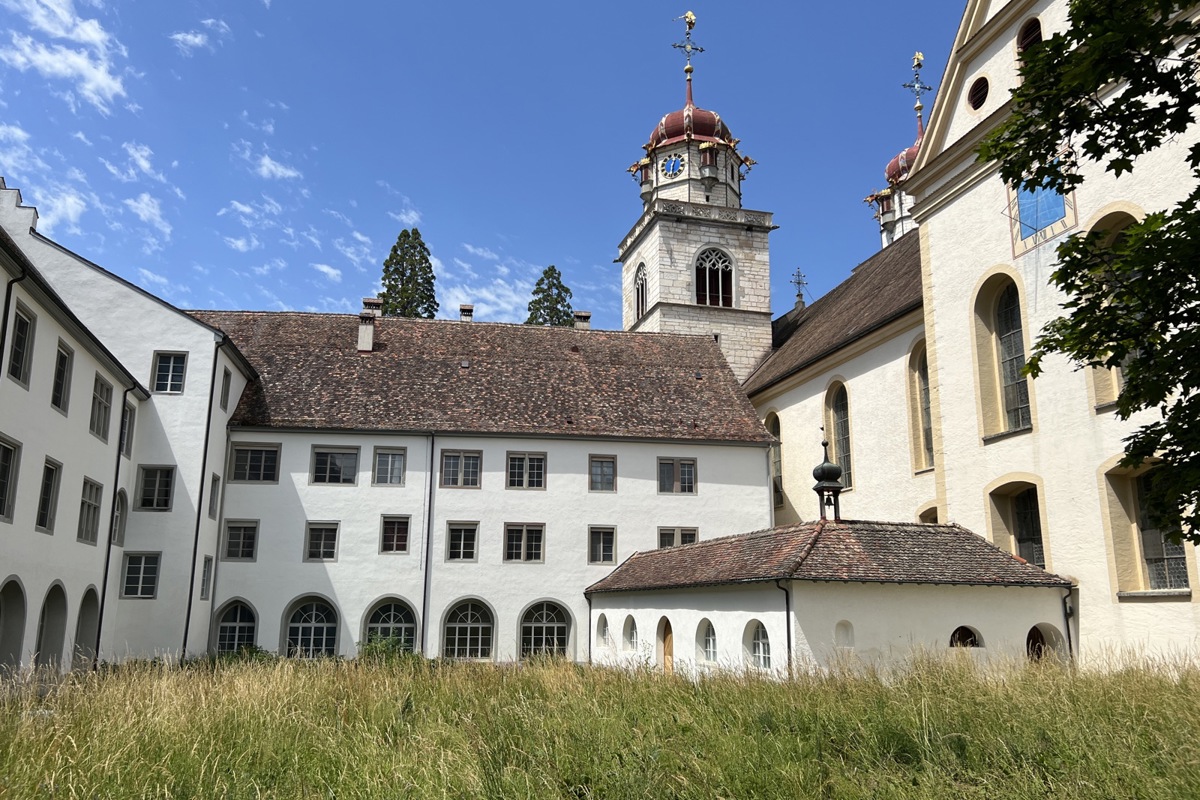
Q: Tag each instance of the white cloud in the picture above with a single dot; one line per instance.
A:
(267, 126)
(270, 168)
(151, 277)
(275, 264)
(81, 137)
(243, 244)
(218, 25)
(139, 155)
(92, 77)
(361, 237)
(17, 156)
(408, 216)
(189, 41)
(147, 209)
(339, 216)
(499, 301)
(481, 252)
(127, 175)
(67, 204)
(356, 253)
(329, 272)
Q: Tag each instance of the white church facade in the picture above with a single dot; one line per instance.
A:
(303, 483)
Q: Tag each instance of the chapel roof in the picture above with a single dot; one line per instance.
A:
(852, 551)
(489, 378)
(881, 289)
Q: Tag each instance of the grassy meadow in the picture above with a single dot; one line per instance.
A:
(397, 728)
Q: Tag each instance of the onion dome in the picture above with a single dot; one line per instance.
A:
(897, 169)
(690, 122)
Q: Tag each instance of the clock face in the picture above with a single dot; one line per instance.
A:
(1037, 216)
(672, 166)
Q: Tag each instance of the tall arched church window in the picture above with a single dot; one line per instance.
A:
(714, 279)
(640, 288)
(1010, 338)
(922, 415)
(838, 422)
(776, 459)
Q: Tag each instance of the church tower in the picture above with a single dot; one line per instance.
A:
(893, 205)
(696, 261)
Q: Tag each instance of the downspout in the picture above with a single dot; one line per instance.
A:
(588, 598)
(787, 606)
(1066, 607)
(112, 525)
(429, 479)
(212, 389)
(8, 290)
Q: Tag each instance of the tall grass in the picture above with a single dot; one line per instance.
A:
(393, 728)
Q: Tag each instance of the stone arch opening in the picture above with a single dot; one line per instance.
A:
(52, 629)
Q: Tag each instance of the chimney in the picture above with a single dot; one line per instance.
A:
(366, 323)
(583, 320)
(466, 312)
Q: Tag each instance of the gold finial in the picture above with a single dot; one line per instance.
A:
(690, 19)
(917, 87)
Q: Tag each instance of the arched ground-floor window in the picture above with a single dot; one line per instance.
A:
(544, 631)
(236, 628)
(468, 632)
(395, 621)
(312, 630)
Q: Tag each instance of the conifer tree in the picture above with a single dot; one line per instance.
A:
(408, 278)
(551, 301)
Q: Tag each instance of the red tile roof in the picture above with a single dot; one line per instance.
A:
(476, 377)
(851, 551)
(883, 288)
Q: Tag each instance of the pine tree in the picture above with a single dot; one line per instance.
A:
(408, 279)
(551, 301)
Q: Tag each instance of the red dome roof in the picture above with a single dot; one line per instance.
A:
(898, 167)
(690, 122)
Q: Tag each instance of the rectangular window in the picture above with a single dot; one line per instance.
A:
(9, 461)
(460, 543)
(127, 419)
(321, 542)
(1165, 560)
(140, 575)
(241, 540)
(214, 496)
(677, 476)
(206, 577)
(226, 380)
(523, 542)
(156, 486)
(461, 468)
(602, 473)
(20, 353)
(102, 392)
(89, 511)
(168, 372)
(602, 545)
(673, 537)
(60, 390)
(395, 535)
(334, 466)
(258, 463)
(526, 470)
(389, 467)
(48, 499)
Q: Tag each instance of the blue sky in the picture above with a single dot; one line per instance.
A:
(264, 154)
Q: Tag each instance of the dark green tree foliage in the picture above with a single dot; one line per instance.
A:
(551, 301)
(408, 278)
(1119, 84)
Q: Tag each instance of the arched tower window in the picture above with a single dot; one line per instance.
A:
(837, 409)
(1011, 341)
(714, 279)
(641, 291)
(776, 459)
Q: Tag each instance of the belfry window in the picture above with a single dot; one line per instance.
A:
(714, 279)
(640, 290)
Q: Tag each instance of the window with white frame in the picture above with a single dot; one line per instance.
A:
(20, 351)
(257, 463)
(168, 372)
(602, 473)
(236, 628)
(523, 542)
(629, 636)
(60, 389)
(674, 537)
(241, 540)
(544, 631)
(394, 535)
(526, 470)
(460, 468)
(602, 545)
(226, 382)
(9, 461)
(155, 489)
(312, 630)
(460, 541)
(760, 647)
(708, 642)
(393, 621)
(468, 631)
(335, 465)
(120, 515)
(89, 511)
(206, 577)
(321, 541)
(214, 496)
(140, 575)
(48, 496)
(102, 392)
(389, 466)
(127, 419)
(677, 476)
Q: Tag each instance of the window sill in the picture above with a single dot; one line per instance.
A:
(1154, 595)
(995, 437)
(1104, 408)
(924, 471)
